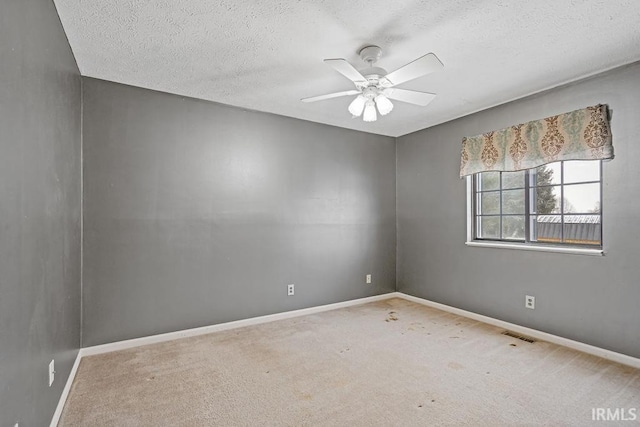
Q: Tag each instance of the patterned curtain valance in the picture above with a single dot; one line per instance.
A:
(579, 135)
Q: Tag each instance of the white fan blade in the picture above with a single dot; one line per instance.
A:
(410, 96)
(330, 95)
(346, 69)
(418, 68)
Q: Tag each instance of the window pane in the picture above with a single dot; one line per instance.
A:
(488, 181)
(581, 171)
(547, 200)
(513, 202)
(581, 198)
(563, 199)
(547, 229)
(582, 229)
(489, 203)
(489, 227)
(513, 179)
(513, 227)
(548, 174)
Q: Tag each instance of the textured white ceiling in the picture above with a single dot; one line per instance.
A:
(267, 54)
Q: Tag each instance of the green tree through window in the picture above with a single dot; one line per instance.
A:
(546, 201)
(554, 203)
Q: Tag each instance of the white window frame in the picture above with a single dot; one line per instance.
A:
(517, 245)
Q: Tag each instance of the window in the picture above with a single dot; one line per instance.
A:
(555, 204)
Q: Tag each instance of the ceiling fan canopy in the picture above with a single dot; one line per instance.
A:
(375, 87)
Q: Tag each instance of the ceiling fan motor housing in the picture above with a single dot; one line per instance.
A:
(374, 73)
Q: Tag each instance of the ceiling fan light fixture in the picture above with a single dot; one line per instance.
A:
(357, 106)
(384, 105)
(370, 112)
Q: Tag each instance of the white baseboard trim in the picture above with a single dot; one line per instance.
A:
(534, 333)
(153, 339)
(65, 391)
(137, 342)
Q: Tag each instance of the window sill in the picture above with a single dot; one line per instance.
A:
(538, 248)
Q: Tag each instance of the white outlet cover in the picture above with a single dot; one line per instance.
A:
(368, 278)
(290, 290)
(52, 372)
(530, 302)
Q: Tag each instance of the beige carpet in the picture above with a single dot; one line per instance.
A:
(390, 363)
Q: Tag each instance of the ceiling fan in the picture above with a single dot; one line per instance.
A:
(375, 87)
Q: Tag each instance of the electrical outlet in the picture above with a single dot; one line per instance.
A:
(368, 278)
(290, 290)
(52, 372)
(530, 302)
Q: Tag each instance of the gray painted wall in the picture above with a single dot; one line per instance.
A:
(197, 213)
(40, 100)
(589, 299)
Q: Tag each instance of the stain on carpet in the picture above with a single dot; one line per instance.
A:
(392, 317)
